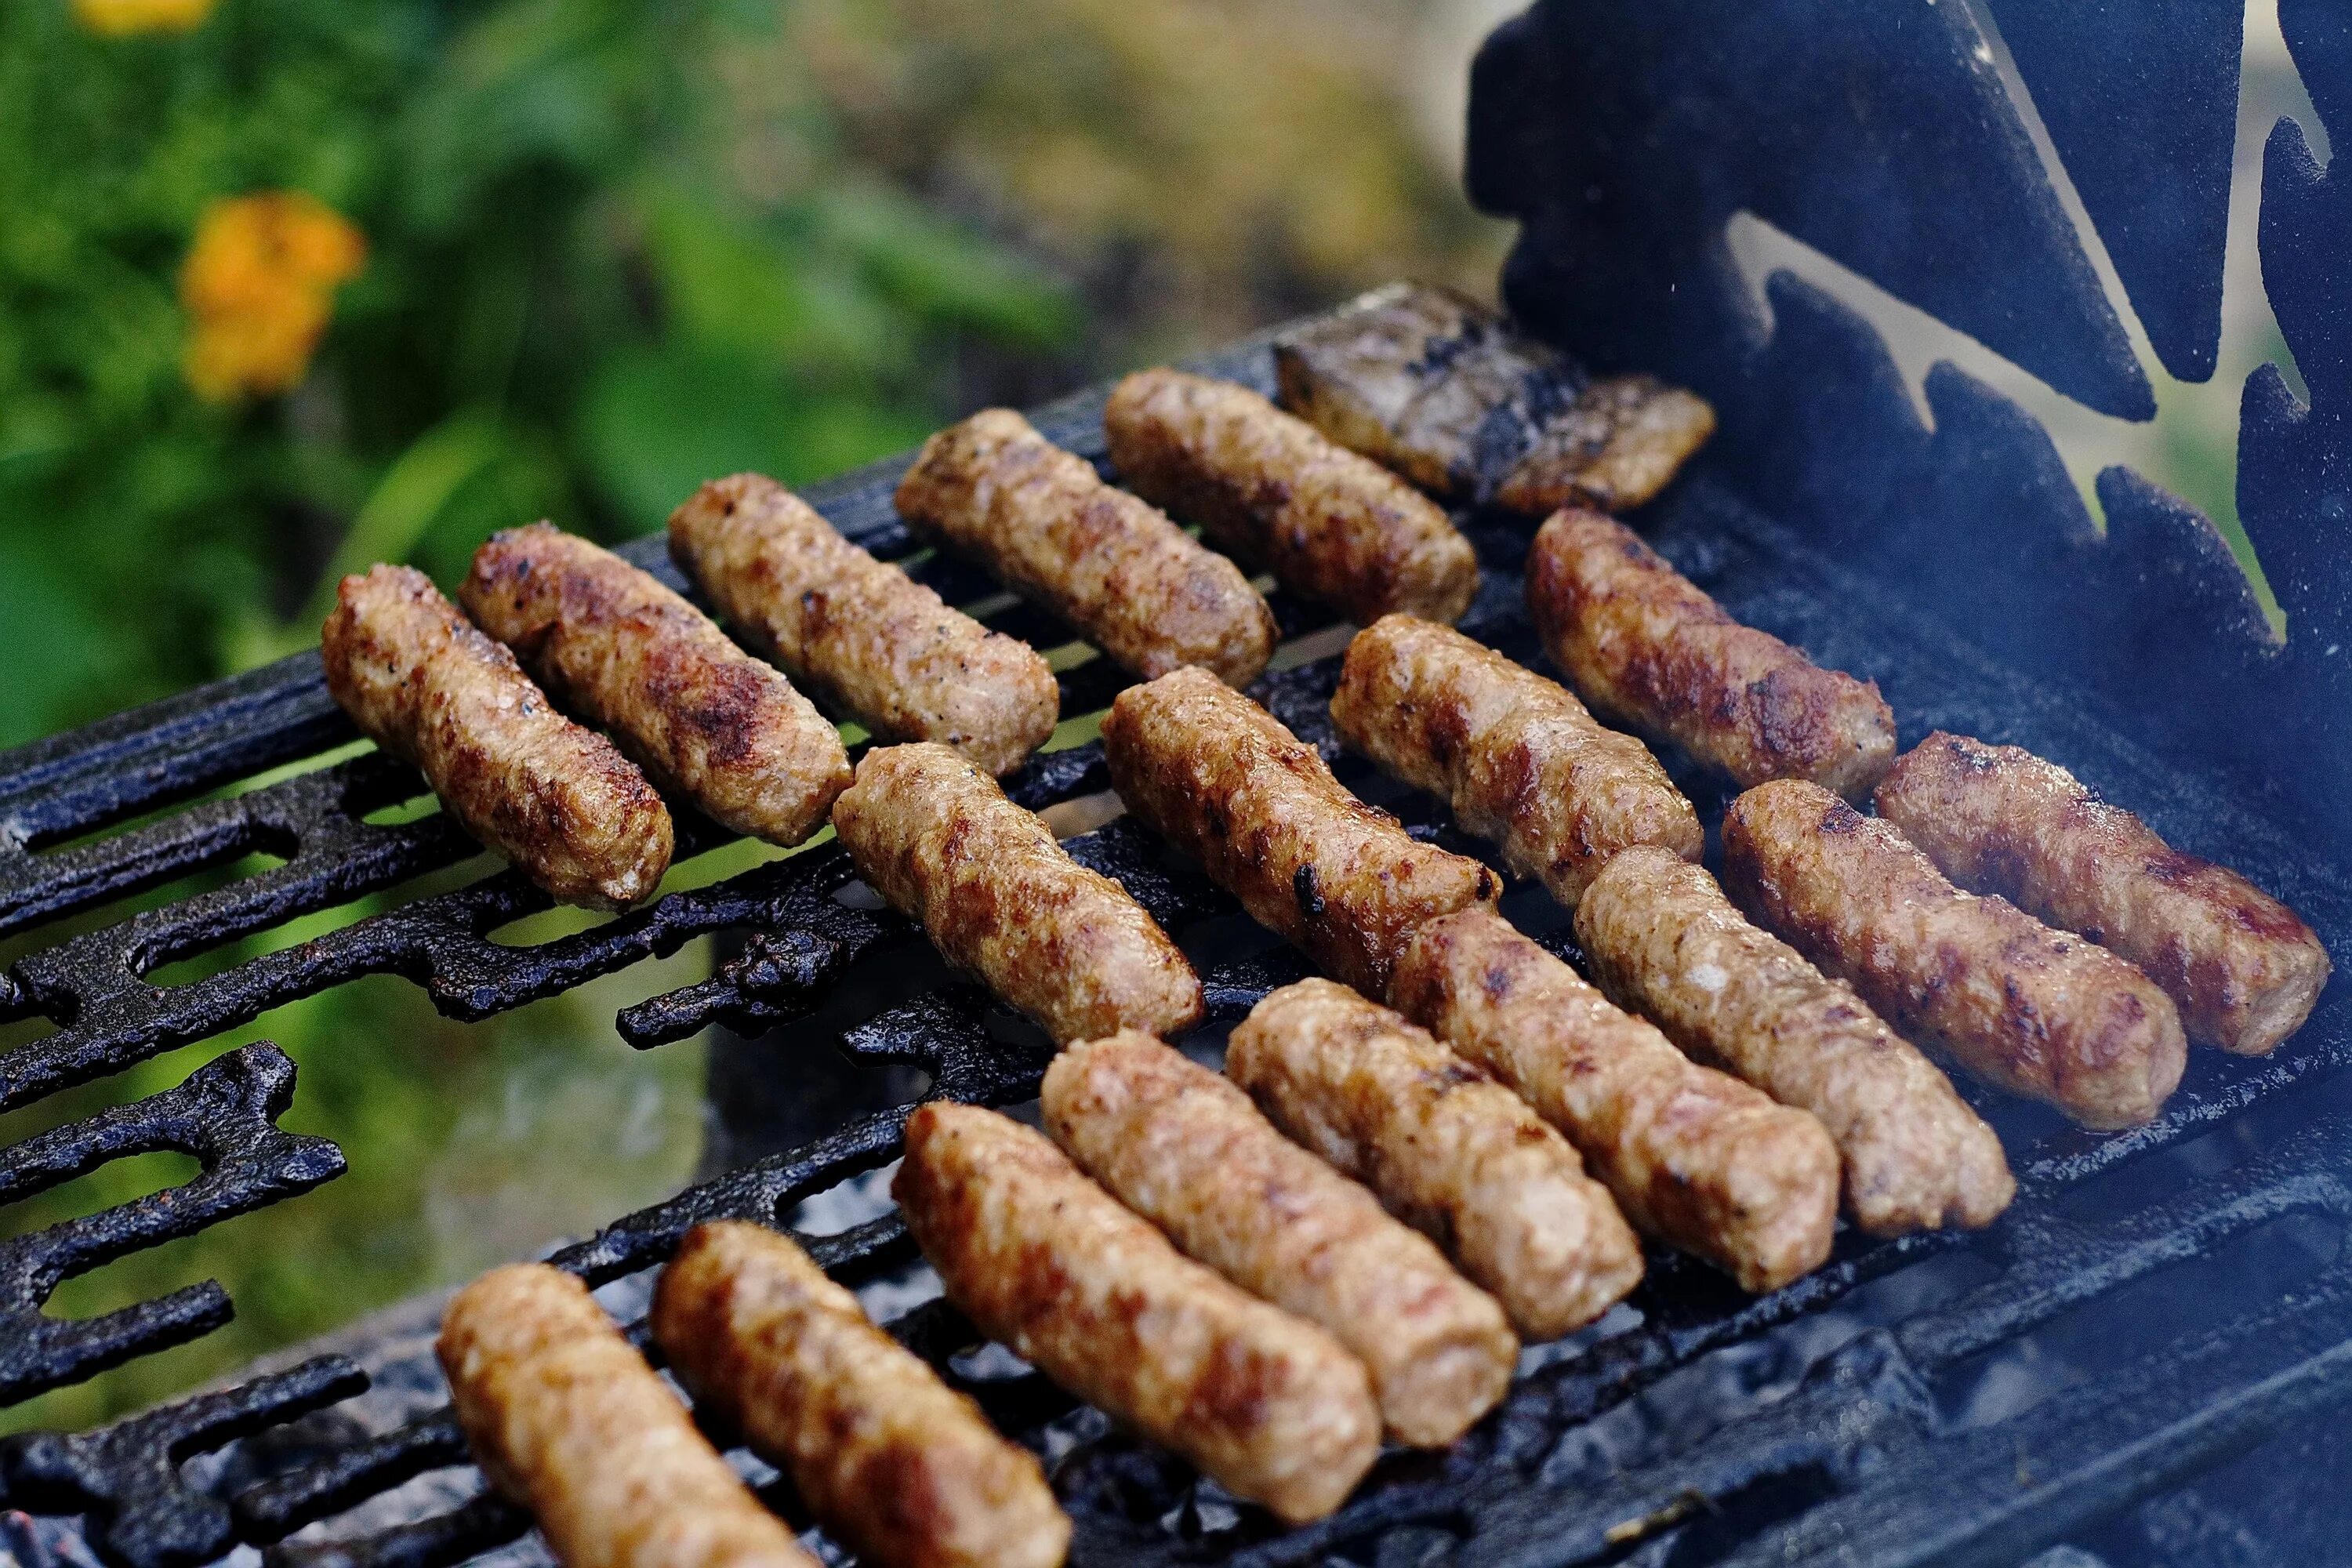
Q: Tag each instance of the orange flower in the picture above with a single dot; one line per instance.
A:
(259, 285)
(122, 18)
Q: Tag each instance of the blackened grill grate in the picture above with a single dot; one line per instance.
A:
(1858, 1459)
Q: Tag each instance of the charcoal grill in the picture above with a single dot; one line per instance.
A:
(2180, 1294)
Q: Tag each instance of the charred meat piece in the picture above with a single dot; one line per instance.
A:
(2022, 1006)
(1186, 1150)
(901, 1467)
(1520, 758)
(1132, 583)
(1647, 649)
(1694, 1156)
(572, 813)
(2245, 971)
(1663, 940)
(999, 896)
(1329, 524)
(1041, 1259)
(859, 633)
(1444, 391)
(703, 717)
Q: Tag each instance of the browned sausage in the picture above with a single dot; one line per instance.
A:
(1646, 648)
(863, 635)
(2019, 1005)
(1328, 524)
(1447, 1147)
(1048, 1263)
(1520, 758)
(1693, 1156)
(1187, 1151)
(1132, 583)
(701, 715)
(2245, 971)
(1662, 938)
(571, 812)
(569, 1421)
(999, 896)
(1221, 778)
(899, 1467)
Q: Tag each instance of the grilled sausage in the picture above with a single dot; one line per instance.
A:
(1187, 1151)
(2241, 968)
(1663, 939)
(863, 635)
(1223, 780)
(1448, 1148)
(999, 896)
(1048, 1263)
(573, 813)
(901, 1467)
(2019, 1005)
(1520, 758)
(1272, 488)
(1692, 1155)
(699, 713)
(1646, 648)
(1133, 583)
(569, 1421)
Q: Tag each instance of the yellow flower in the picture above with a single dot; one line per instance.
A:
(259, 285)
(122, 18)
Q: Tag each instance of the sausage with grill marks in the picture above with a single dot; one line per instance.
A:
(1044, 1260)
(2027, 1008)
(859, 633)
(572, 813)
(2242, 967)
(701, 715)
(1663, 939)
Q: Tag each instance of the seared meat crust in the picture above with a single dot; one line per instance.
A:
(1445, 1146)
(859, 633)
(1647, 649)
(999, 896)
(1663, 940)
(2243, 968)
(1221, 778)
(702, 716)
(898, 1466)
(2021, 1006)
(568, 1420)
(1187, 1151)
(1520, 758)
(1132, 583)
(1041, 1259)
(1693, 1156)
(559, 801)
(1329, 524)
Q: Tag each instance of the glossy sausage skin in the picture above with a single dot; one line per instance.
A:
(1132, 583)
(1519, 757)
(702, 716)
(1221, 778)
(568, 1420)
(1186, 1150)
(2243, 968)
(859, 633)
(1041, 1259)
(1445, 1146)
(1329, 524)
(2021, 1006)
(1694, 1156)
(1646, 648)
(898, 1466)
(1663, 939)
(999, 896)
(572, 813)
